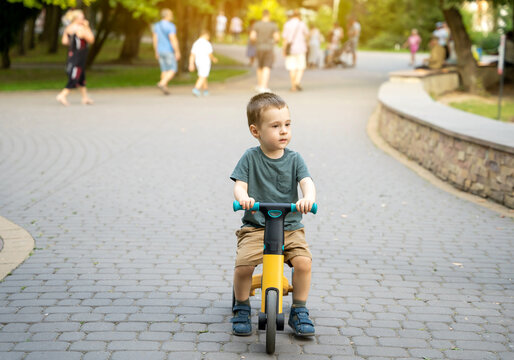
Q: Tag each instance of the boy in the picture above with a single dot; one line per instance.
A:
(271, 173)
(201, 56)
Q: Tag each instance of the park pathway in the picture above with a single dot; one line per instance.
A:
(129, 202)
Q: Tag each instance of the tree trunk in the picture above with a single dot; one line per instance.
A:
(466, 63)
(51, 27)
(32, 32)
(21, 41)
(104, 30)
(6, 60)
(133, 33)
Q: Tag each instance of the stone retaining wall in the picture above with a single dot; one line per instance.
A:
(481, 170)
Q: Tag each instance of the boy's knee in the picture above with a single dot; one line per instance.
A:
(244, 270)
(302, 263)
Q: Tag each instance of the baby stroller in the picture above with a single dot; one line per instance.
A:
(342, 56)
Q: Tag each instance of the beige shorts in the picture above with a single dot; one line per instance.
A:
(296, 62)
(250, 244)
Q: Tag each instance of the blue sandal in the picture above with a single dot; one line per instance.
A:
(241, 323)
(300, 322)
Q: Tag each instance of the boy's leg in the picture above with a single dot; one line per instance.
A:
(241, 322)
(299, 316)
(243, 282)
(198, 83)
(301, 277)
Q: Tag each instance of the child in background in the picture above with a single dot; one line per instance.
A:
(413, 43)
(201, 57)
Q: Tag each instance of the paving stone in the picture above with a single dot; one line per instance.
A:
(178, 346)
(53, 355)
(42, 346)
(14, 355)
(137, 355)
(96, 355)
(470, 355)
(381, 351)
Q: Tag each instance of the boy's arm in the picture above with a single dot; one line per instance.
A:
(304, 205)
(241, 195)
(214, 59)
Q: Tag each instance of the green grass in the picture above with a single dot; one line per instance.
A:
(487, 109)
(100, 77)
(41, 71)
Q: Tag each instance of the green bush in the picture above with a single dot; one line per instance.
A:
(385, 41)
(490, 43)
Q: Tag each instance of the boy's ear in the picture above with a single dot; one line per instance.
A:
(254, 131)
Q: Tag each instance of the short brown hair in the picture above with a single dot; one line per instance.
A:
(260, 103)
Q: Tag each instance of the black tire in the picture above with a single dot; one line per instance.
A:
(271, 320)
(233, 299)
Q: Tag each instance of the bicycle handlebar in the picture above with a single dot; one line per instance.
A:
(236, 206)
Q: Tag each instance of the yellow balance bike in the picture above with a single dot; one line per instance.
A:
(272, 282)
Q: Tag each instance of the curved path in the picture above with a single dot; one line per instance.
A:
(129, 204)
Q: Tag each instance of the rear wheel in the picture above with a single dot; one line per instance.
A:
(271, 320)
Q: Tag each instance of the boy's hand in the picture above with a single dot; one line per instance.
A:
(304, 205)
(191, 67)
(247, 203)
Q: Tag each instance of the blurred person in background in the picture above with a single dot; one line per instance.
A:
(295, 34)
(77, 36)
(315, 54)
(167, 50)
(413, 42)
(236, 27)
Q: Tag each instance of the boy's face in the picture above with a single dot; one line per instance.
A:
(274, 132)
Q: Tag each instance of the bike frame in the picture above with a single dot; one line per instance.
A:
(272, 278)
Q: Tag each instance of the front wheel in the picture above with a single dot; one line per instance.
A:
(271, 320)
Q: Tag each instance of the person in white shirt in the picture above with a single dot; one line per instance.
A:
(236, 27)
(221, 25)
(442, 34)
(201, 57)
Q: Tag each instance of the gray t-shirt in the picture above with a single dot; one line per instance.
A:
(272, 181)
(265, 31)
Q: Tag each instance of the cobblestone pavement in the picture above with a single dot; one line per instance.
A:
(129, 202)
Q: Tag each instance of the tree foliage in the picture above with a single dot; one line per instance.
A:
(389, 22)
(277, 12)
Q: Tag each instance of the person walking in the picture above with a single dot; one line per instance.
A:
(221, 25)
(354, 32)
(201, 57)
(251, 50)
(413, 42)
(236, 27)
(77, 36)
(166, 47)
(315, 55)
(265, 34)
(295, 34)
